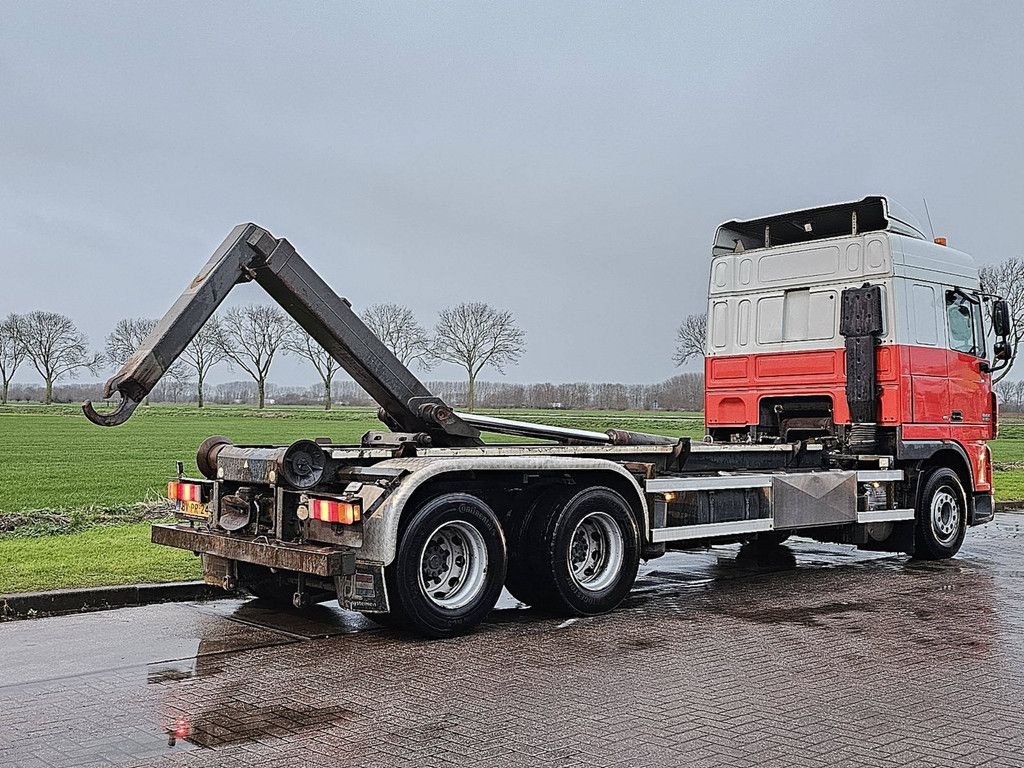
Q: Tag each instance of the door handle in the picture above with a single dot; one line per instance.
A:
(957, 416)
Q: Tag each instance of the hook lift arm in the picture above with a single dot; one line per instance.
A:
(252, 253)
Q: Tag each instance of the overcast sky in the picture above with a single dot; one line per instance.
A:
(567, 161)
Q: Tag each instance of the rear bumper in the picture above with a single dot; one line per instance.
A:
(302, 558)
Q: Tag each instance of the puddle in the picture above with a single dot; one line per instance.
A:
(202, 665)
(235, 723)
(805, 615)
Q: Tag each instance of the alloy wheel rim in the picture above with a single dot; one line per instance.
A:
(945, 515)
(596, 552)
(453, 565)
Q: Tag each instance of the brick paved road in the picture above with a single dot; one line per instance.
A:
(847, 659)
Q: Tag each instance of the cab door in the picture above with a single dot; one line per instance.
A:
(928, 357)
(970, 391)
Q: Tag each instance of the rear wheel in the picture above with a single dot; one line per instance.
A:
(449, 567)
(522, 580)
(941, 515)
(585, 554)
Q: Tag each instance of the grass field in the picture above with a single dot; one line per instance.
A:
(52, 458)
(84, 476)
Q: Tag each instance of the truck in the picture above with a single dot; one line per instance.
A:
(849, 362)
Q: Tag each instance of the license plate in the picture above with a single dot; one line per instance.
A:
(193, 509)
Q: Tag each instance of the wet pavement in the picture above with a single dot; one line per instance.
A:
(825, 656)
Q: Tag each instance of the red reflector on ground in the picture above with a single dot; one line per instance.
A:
(184, 491)
(332, 511)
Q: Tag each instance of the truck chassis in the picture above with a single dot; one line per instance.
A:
(423, 524)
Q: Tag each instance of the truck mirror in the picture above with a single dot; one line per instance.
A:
(1001, 350)
(1000, 317)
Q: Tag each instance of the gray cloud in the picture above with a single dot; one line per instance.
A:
(568, 161)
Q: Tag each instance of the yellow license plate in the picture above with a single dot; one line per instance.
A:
(193, 509)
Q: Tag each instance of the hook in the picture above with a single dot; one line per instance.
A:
(125, 408)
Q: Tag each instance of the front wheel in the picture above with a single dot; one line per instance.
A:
(941, 515)
(449, 568)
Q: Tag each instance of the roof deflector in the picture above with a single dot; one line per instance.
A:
(872, 214)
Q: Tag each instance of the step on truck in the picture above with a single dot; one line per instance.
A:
(848, 399)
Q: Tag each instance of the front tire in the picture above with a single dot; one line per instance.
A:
(449, 568)
(941, 515)
(585, 554)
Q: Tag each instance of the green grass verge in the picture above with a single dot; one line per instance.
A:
(97, 557)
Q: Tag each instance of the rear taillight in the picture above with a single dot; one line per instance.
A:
(332, 510)
(178, 491)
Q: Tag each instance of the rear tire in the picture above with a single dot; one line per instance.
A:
(941, 515)
(585, 554)
(522, 580)
(449, 568)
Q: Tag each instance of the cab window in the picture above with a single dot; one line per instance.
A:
(964, 323)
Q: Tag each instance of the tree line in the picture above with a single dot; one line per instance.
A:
(683, 392)
(472, 335)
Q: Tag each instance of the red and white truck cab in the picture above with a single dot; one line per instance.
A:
(786, 360)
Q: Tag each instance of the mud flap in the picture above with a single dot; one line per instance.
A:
(982, 509)
(363, 590)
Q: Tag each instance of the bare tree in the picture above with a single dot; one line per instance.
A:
(201, 354)
(474, 335)
(1016, 394)
(12, 352)
(56, 348)
(1006, 279)
(690, 338)
(1010, 393)
(127, 337)
(250, 338)
(397, 327)
(303, 345)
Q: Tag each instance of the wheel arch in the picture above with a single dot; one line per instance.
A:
(955, 460)
(925, 455)
(381, 530)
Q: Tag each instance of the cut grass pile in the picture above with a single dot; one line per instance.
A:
(48, 522)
